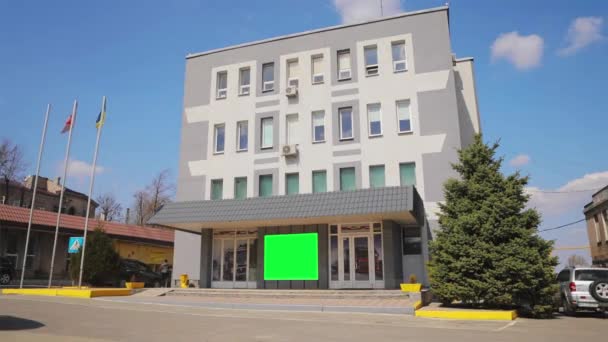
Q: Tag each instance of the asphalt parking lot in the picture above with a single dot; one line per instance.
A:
(70, 319)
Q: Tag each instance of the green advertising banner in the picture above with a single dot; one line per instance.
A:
(291, 257)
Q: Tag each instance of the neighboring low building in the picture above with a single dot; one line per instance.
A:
(147, 244)
(47, 196)
(596, 213)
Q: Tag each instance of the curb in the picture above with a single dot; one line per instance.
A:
(69, 292)
(469, 315)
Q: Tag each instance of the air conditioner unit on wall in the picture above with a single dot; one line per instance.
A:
(289, 150)
(291, 91)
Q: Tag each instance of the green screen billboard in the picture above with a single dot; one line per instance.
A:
(291, 257)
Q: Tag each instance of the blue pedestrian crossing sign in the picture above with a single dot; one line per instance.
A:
(75, 244)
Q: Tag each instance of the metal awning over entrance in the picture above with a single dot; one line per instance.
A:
(399, 204)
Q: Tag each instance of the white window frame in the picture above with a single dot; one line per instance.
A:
(371, 69)
(244, 89)
(369, 122)
(270, 84)
(396, 62)
(292, 81)
(349, 70)
(262, 146)
(352, 130)
(239, 127)
(312, 70)
(322, 112)
(215, 136)
(221, 93)
(409, 109)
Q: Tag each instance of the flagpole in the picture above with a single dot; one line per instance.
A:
(63, 185)
(29, 222)
(91, 183)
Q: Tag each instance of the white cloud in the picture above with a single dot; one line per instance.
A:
(520, 160)
(570, 198)
(80, 169)
(524, 52)
(353, 11)
(583, 31)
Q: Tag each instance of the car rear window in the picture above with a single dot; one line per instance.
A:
(590, 275)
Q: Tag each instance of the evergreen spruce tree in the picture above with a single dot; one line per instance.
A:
(487, 251)
(101, 263)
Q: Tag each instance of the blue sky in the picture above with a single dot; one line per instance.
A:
(541, 90)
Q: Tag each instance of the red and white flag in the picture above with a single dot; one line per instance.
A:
(68, 125)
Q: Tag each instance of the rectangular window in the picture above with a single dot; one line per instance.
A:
(376, 176)
(219, 138)
(222, 84)
(412, 240)
(217, 189)
(605, 217)
(344, 72)
(347, 179)
(292, 129)
(319, 181)
(346, 123)
(374, 119)
(268, 77)
(596, 223)
(317, 69)
(242, 135)
(399, 62)
(293, 72)
(292, 184)
(318, 126)
(267, 133)
(403, 116)
(244, 81)
(265, 186)
(371, 60)
(240, 188)
(407, 174)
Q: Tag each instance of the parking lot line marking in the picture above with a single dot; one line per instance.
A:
(506, 326)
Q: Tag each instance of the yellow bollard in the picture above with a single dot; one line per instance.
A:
(183, 281)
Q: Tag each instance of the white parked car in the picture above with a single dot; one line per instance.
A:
(583, 288)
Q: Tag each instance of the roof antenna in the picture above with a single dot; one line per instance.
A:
(381, 9)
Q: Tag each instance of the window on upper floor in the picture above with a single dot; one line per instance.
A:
(347, 179)
(293, 73)
(398, 52)
(317, 69)
(376, 176)
(371, 60)
(268, 77)
(267, 135)
(344, 69)
(319, 181)
(219, 138)
(346, 123)
(240, 188)
(318, 126)
(407, 174)
(265, 186)
(217, 189)
(242, 135)
(292, 132)
(244, 81)
(374, 120)
(596, 225)
(605, 219)
(404, 121)
(292, 183)
(222, 84)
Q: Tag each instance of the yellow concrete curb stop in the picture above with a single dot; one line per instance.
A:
(469, 314)
(70, 292)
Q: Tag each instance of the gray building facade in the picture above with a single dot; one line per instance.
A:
(374, 112)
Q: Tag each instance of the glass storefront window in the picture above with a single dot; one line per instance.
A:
(363, 228)
(228, 267)
(253, 259)
(216, 259)
(346, 254)
(241, 260)
(361, 258)
(378, 256)
(333, 254)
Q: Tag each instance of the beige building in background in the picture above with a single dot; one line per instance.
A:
(596, 214)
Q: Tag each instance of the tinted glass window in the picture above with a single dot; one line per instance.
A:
(563, 276)
(590, 275)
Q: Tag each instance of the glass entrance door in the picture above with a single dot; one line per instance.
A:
(234, 261)
(355, 262)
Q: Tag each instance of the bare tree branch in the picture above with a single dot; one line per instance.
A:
(12, 164)
(109, 208)
(153, 197)
(577, 260)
